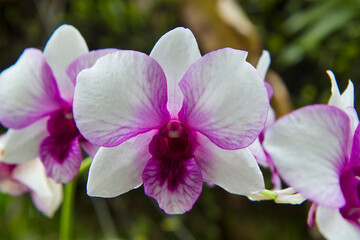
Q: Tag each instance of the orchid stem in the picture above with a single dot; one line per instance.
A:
(67, 210)
(268, 193)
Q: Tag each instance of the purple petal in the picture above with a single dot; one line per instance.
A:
(63, 47)
(86, 61)
(175, 52)
(117, 170)
(333, 226)
(61, 157)
(224, 99)
(234, 170)
(28, 91)
(309, 148)
(350, 185)
(177, 188)
(121, 96)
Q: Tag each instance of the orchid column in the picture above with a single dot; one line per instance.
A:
(172, 120)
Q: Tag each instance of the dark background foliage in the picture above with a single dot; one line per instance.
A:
(305, 38)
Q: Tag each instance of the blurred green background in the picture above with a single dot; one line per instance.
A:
(305, 38)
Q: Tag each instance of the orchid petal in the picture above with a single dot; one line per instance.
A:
(46, 194)
(309, 148)
(176, 190)
(355, 151)
(117, 170)
(121, 96)
(235, 171)
(8, 184)
(89, 148)
(224, 99)
(175, 52)
(86, 61)
(22, 145)
(333, 226)
(258, 152)
(65, 44)
(28, 91)
(263, 64)
(343, 100)
(61, 157)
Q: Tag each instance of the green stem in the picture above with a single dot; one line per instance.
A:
(66, 218)
(67, 210)
(268, 193)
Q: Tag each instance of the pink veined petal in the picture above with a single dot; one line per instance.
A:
(333, 226)
(46, 194)
(121, 96)
(117, 170)
(61, 157)
(175, 191)
(175, 52)
(22, 145)
(343, 100)
(86, 61)
(309, 148)
(236, 171)
(263, 64)
(8, 184)
(224, 99)
(28, 91)
(65, 44)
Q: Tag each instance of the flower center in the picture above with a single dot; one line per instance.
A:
(172, 147)
(62, 130)
(350, 186)
(173, 141)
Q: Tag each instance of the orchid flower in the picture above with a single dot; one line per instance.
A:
(172, 120)
(316, 151)
(36, 104)
(256, 147)
(16, 180)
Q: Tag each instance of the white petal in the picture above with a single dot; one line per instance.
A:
(122, 95)
(28, 91)
(333, 226)
(117, 170)
(258, 152)
(46, 194)
(175, 52)
(65, 44)
(309, 148)
(263, 64)
(234, 170)
(224, 99)
(23, 145)
(343, 100)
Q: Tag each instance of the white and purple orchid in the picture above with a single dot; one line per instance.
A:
(18, 179)
(172, 120)
(316, 151)
(36, 96)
